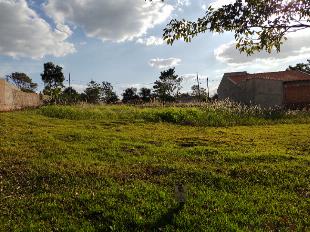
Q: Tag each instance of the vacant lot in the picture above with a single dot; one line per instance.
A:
(116, 168)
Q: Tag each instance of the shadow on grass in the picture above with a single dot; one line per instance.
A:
(107, 223)
(166, 219)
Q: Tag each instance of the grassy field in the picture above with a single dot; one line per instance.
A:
(115, 169)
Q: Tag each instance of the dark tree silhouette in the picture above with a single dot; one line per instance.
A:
(70, 95)
(303, 67)
(107, 94)
(96, 93)
(145, 94)
(93, 92)
(168, 86)
(22, 81)
(53, 79)
(130, 95)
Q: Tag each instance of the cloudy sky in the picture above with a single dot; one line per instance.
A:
(120, 41)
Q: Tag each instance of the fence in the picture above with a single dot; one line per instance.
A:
(11, 98)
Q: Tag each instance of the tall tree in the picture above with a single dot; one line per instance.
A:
(53, 79)
(257, 24)
(199, 93)
(107, 94)
(130, 95)
(22, 81)
(93, 92)
(168, 86)
(70, 95)
(145, 94)
(303, 67)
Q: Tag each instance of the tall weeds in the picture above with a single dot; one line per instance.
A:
(222, 113)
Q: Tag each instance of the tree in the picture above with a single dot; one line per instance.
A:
(70, 95)
(83, 97)
(185, 97)
(113, 98)
(199, 92)
(107, 94)
(96, 93)
(130, 95)
(257, 24)
(93, 92)
(53, 79)
(168, 86)
(145, 94)
(303, 67)
(22, 81)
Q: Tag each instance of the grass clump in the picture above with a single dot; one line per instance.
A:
(87, 112)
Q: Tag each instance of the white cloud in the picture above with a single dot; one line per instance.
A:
(119, 21)
(295, 49)
(181, 4)
(193, 77)
(204, 7)
(151, 41)
(24, 34)
(164, 63)
(216, 4)
(83, 43)
(219, 3)
(78, 87)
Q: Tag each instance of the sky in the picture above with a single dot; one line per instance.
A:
(119, 41)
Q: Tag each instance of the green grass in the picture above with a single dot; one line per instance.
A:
(100, 168)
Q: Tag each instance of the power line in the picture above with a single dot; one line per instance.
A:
(208, 87)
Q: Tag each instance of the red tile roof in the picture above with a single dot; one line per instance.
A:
(281, 76)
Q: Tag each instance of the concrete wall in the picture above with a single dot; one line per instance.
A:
(2, 103)
(11, 98)
(266, 93)
(227, 89)
(297, 93)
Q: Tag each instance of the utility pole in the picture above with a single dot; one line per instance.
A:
(198, 87)
(208, 88)
(70, 84)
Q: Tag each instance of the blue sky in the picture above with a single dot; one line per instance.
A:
(120, 41)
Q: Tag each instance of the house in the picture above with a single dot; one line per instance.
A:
(285, 89)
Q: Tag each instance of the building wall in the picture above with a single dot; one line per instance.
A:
(227, 89)
(297, 93)
(2, 103)
(11, 98)
(266, 93)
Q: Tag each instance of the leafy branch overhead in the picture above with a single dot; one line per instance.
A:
(257, 24)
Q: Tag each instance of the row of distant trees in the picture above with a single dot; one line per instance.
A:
(165, 89)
